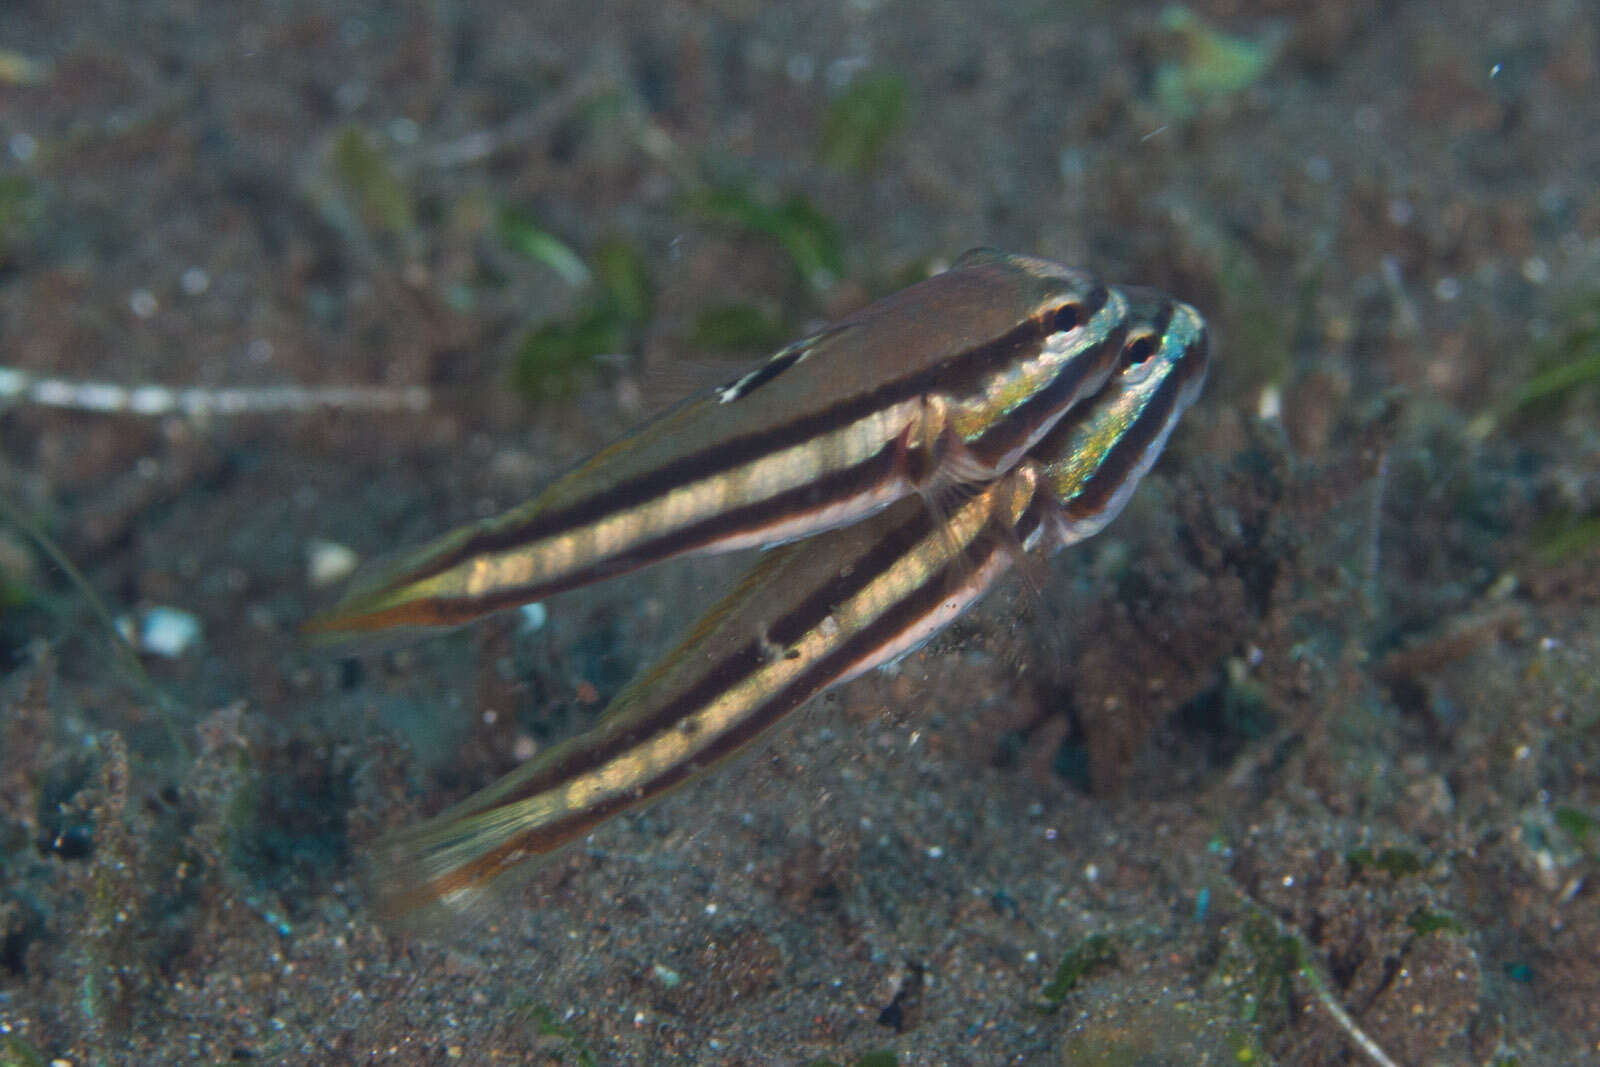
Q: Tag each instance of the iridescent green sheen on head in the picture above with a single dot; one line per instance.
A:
(1097, 455)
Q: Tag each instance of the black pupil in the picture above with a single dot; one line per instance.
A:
(1067, 317)
(1139, 349)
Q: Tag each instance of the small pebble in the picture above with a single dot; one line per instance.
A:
(1270, 405)
(161, 631)
(328, 562)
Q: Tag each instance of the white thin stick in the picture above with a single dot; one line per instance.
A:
(154, 401)
(1309, 972)
(1342, 1017)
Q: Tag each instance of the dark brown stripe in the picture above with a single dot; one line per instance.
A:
(1010, 432)
(885, 553)
(1130, 447)
(740, 665)
(882, 632)
(874, 637)
(956, 376)
(1032, 516)
(832, 489)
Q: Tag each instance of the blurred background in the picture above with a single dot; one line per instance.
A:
(1315, 723)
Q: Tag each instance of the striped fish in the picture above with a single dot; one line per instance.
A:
(814, 614)
(949, 381)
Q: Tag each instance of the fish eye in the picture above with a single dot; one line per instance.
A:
(1139, 348)
(1066, 317)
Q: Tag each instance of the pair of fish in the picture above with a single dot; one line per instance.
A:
(904, 458)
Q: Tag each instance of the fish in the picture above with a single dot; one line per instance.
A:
(812, 615)
(945, 383)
